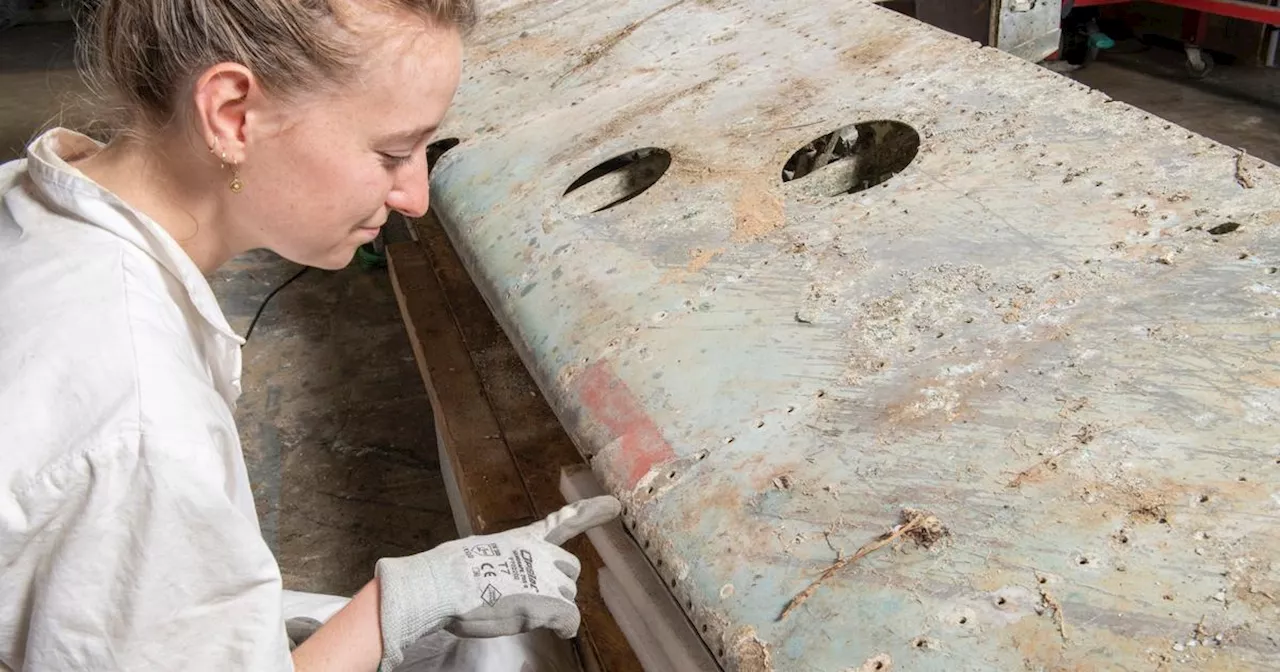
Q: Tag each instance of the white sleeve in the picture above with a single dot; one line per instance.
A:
(132, 557)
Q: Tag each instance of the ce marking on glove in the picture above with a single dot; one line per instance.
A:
(486, 570)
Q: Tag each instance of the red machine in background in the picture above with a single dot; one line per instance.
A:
(1195, 23)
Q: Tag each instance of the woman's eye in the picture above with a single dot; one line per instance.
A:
(396, 159)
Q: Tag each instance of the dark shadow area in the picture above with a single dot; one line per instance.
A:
(38, 47)
(336, 423)
(39, 86)
(1162, 59)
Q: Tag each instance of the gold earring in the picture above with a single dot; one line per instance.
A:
(236, 184)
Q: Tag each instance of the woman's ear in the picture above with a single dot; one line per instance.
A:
(221, 102)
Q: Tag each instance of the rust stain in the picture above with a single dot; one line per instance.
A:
(610, 402)
(513, 53)
(1264, 378)
(1139, 503)
(752, 654)
(598, 50)
(692, 165)
(759, 471)
(1041, 646)
(723, 496)
(1039, 643)
(509, 13)
(631, 116)
(757, 211)
(934, 402)
(1037, 472)
(718, 494)
(933, 398)
(870, 51)
(1052, 602)
(698, 259)
(797, 89)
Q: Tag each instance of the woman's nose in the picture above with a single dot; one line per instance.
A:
(412, 194)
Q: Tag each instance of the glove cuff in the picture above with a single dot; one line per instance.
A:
(411, 606)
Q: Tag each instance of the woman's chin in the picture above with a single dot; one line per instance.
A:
(335, 260)
(336, 257)
(335, 264)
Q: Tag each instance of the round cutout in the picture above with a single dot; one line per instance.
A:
(854, 158)
(617, 180)
(436, 149)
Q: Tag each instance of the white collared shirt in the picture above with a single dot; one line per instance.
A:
(128, 535)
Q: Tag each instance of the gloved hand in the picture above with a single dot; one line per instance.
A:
(489, 586)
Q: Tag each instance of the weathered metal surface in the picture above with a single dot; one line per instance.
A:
(1028, 29)
(1055, 330)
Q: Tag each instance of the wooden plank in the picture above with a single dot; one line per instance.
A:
(489, 394)
(532, 432)
(490, 485)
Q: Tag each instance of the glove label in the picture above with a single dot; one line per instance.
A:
(521, 564)
(492, 564)
(490, 595)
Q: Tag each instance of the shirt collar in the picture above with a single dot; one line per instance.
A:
(65, 187)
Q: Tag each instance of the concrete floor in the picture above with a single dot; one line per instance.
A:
(334, 419)
(335, 422)
(1235, 106)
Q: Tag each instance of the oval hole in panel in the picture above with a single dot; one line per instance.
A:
(617, 180)
(854, 158)
(436, 149)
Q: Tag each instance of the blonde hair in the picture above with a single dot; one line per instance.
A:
(137, 56)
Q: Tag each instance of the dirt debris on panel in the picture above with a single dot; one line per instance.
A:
(920, 526)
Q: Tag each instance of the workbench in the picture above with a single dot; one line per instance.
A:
(999, 391)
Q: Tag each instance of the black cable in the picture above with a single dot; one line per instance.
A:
(268, 300)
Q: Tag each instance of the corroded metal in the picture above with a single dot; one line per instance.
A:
(1055, 330)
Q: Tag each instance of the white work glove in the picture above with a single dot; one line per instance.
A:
(489, 586)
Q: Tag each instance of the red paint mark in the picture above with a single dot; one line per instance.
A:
(608, 401)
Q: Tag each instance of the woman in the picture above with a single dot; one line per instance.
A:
(128, 535)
